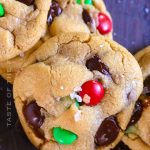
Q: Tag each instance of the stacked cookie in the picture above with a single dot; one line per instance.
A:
(137, 135)
(25, 25)
(74, 88)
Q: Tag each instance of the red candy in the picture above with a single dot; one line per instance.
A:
(92, 92)
(104, 24)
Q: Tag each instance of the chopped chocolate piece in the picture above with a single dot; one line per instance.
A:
(137, 112)
(95, 63)
(121, 146)
(146, 89)
(33, 115)
(55, 10)
(27, 2)
(86, 17)
(107, 132)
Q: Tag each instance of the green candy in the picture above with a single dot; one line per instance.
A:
(77, 104)
(79, 1)
(2, 11)
(88, 2)
(63, 136)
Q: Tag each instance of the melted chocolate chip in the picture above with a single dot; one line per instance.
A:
(146, 89)
(55, 10)
(33, 115)
(95, 63)
(107, 132)
(121, 146)
(137, 112)
(146, 102)
(86, 17)
(27, 2)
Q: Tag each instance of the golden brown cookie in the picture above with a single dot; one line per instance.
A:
(70, 66)
(69, 16)
(138, 132)
(22, 26)
(81, 16)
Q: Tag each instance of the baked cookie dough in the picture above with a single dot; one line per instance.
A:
(23, 24)
(58, 99)
(88, 16)
(63, 16)
(138, 132)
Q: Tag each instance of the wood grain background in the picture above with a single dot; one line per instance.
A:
(131, 20)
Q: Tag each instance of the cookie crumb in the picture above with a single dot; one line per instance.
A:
(101, 45)
(62, 87)
(77, 89)
(77, 115)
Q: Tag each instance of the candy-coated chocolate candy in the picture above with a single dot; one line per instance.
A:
(2, 10)
(92, 92)
(77, 104)
(88, 2)
(104, 24)
(79, 1)
(63, 136)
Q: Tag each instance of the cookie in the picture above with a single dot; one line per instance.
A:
(59, 90)
(79, 17)
(22, 25)
(9, 68)
(138, 131)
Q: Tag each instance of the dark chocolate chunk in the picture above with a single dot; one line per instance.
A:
(137, 112)
(86, 17)
(121, 146)
(146, 89)
(107, 132)
(27, 2)
(95, 63)
(146, 102)
(33, 115)
(55, 10)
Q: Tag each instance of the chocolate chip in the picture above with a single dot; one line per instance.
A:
(33, 115)
(86, 17)
(121, 146)
(27, 2)
(55, 10)
(146, 102)
(137, 112)
(107, 132)
(146, 89)
(95, 63)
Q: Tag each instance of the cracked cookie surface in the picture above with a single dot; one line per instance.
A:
(69, 18)
(22, 26)
(66, 62)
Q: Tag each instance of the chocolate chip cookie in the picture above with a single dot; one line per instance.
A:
(76, 84)
(22, 25)
(79, 16)
(138, 131)
(62, 16)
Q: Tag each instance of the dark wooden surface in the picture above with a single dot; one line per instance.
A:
(131, 20)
